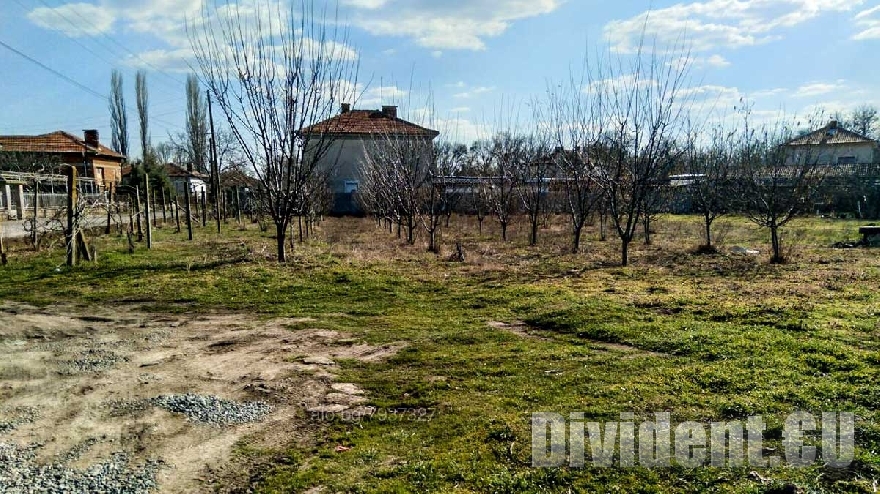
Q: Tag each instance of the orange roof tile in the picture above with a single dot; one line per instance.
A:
(368, 122)
(56, 142)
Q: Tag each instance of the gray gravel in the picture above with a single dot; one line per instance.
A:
(20, 474)
(20, 416)
(212, 410)
(92, 360)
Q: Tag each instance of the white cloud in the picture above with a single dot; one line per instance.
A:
(714, 24)
(819, 88)
(717, 61)
(375, 97)
(868, 22)
(437, 53)
(74, 19)
(365, 4)
(451, 24)
(167, 20)
(476, 91)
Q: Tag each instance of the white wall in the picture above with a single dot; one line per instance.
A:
(829, 154)
(197, 186)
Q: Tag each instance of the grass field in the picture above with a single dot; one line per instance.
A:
(518, 329)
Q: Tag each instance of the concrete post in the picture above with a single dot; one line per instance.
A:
(8, 198)
(20, 201)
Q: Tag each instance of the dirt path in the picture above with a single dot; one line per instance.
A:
(83, 380)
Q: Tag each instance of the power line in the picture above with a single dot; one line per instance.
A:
(120, 45)
(84, 47)
(53, 71)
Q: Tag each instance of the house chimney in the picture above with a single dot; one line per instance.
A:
(346, 107)
(91, 137)
(390, 111)
(832, 124)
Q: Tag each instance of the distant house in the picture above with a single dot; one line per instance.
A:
(91, 158)
(351, 135)
(833, 145)
(198, 181)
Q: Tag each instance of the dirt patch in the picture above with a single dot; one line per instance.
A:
(89, 381)
(518, 328)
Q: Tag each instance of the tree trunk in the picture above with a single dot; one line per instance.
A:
(410, 230)
(777, 250)
(533, 237)
(301, 233)
(504, 231)
(708, 226)
(281, 234)
(480, 224)
(576, 238)
(603, 226)
(432, 240)
(646, 224)
(624, 251)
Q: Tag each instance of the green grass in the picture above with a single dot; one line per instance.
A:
(705, 337)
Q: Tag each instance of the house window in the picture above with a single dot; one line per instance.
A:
(350, 187)
(846, 160)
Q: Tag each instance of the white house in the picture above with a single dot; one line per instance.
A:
(833, 145)
(349, 138)
(198, 182)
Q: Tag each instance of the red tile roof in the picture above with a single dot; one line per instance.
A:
(56, 142)
(830, 134)
(368, 122)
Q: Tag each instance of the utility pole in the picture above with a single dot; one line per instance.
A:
(215, 169)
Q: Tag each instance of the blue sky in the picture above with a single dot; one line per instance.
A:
(792, 56)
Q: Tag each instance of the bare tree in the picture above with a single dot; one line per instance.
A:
(118, 115)
(504, 156)
(864, 120)
(196, 125)
(644, 105)
(142, 96)
(398, 168)
(775, 185)
(574, 116)
(533, 169)
(274, 74)
(708, 184)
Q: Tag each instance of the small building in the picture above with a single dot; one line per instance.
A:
(198, 182)
(833, 145)
(350, 138)
(91, 158)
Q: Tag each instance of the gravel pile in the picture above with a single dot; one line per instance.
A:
(92, 360)
(213, 410)
(19, 472)
(20, 416)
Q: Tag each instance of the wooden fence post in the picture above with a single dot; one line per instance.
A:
(72, 227)
(147, 217)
